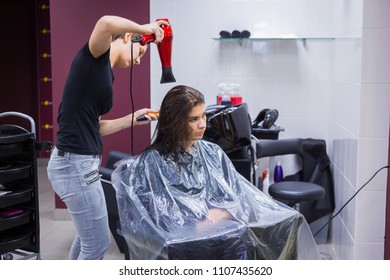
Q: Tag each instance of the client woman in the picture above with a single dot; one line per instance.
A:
(183, 199)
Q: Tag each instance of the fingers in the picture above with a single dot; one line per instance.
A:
(152, 116)
(157, 30)
(159, 33)
(145, 116)
(151, 112)
(162, 22)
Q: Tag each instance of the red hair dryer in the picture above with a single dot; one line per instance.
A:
(164, 50)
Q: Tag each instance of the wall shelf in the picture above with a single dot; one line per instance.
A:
(270, 39)
(274, 39)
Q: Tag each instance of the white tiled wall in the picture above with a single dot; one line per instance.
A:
(291, 76)
(336, 90)
(360, 125)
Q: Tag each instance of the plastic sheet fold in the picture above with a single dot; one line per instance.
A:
(199, 207)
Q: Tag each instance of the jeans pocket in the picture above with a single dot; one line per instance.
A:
(88, 171)
(92, 177)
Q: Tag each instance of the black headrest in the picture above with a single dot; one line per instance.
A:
(228, 126)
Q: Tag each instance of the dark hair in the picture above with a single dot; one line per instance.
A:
(117, 36)
(172, 131)
(122, 36)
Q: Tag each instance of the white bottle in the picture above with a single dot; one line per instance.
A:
(235, 96)
(226, 100)
(266, 182)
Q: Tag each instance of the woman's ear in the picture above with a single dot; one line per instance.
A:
(128, 36)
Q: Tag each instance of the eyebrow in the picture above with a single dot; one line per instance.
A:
(196, 116)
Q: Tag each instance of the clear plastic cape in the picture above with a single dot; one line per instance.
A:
(164, 210)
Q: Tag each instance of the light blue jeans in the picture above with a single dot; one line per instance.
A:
(76, 180)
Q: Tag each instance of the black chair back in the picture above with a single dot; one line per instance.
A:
(315, 169)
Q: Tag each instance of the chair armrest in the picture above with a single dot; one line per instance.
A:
(114, 157)
(106, 173)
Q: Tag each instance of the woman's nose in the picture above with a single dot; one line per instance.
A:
(202, 123)
(137, 61)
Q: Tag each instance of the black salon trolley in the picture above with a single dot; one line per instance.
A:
(19, 205)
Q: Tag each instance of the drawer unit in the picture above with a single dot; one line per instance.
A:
(14, 220)
(19, 207)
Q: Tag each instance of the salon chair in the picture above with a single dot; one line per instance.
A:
(111, 201)
(310, 190)
(230, 128)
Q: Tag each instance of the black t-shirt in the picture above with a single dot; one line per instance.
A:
(87, 95)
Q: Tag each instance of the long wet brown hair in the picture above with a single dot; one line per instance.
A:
(172, 131)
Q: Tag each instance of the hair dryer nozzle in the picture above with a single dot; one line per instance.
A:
(167, 75)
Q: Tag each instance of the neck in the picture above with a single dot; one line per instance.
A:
(190, 146)
(114, 54)
(113, 59)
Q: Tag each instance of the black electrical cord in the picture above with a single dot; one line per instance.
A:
(345, 204)
(131, 101)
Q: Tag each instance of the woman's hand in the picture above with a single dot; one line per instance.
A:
(214, 216)
(155, 28)
(149, 114)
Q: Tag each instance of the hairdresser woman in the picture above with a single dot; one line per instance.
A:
(88, 94)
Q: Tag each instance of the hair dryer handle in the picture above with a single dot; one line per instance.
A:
(146, 39)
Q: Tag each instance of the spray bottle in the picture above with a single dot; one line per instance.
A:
(278, 173)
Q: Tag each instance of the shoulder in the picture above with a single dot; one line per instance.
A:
(149, 157)
(137, 163)
(204, 144)
(211, 149)
(84, 55)
(105, 56)
(152, 153)
(85, 51)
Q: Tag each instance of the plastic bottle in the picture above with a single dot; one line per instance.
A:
(235, 97)
(278, 173)
(226, 100)
(221, 89)
(265, 177)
